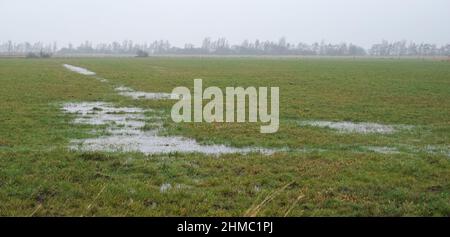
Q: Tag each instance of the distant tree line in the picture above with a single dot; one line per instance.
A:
(221, 46)
(402, 48)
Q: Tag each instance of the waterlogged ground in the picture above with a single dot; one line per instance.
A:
(125, 131)
(93, 137)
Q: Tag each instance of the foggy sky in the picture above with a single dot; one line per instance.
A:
(363, 22)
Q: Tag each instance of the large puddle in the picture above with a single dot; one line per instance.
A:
(124, 128)
(350, 127)
(79, 70)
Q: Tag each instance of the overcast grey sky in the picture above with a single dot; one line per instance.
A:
(188, 21)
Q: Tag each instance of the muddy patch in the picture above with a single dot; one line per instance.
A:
(350, 127)
(128, 92)
(124, 132)
(79, 70)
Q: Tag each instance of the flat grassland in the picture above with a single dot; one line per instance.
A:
(322, 172)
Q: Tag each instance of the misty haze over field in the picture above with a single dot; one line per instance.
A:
(362, 22)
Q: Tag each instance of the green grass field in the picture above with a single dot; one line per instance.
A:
(322, 172)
